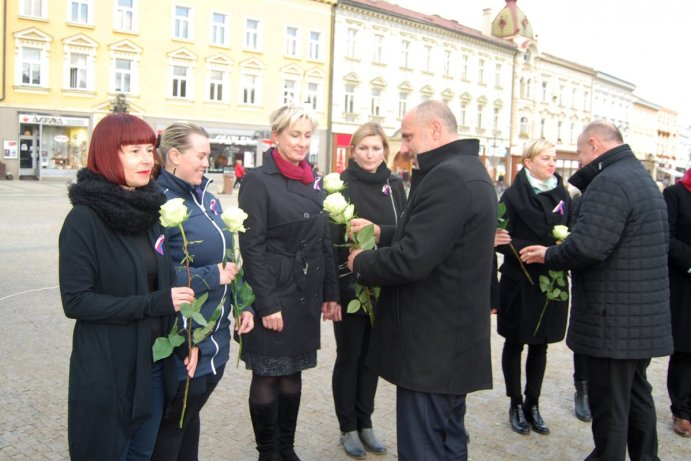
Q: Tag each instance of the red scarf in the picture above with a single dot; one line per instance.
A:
(686, 180)
(300, 172)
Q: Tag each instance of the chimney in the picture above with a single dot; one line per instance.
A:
(487, 21)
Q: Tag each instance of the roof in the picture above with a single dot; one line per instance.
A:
(511, 21)
(435, 20)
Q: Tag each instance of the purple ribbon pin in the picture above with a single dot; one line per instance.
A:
(386, 190)
(316, 183)
(212, 206)
(559, 208)
(158, 246)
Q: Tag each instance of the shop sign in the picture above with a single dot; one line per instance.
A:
(53, 120)
(61, 138)
(9, 149)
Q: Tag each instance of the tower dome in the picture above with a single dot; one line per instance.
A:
(511, 22)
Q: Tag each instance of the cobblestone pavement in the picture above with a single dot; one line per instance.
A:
(36, 342)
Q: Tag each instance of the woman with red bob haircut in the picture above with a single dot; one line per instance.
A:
(116, 281)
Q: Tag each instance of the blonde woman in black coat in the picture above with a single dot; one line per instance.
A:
(288, 262)
(536, 202)
(378, 197)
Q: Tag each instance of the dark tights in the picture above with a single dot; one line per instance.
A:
(265, 389)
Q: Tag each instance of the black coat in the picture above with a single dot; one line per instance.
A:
(104, 286)
(617, 254)
(678, 200)
(531, 219)
(377, 197)
(287, 258)
(432, 329)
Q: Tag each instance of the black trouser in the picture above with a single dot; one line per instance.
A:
(679, 384)
(430, 427)
(354, 385)
(623, 410)
(173, 443)
(535, 365)
(580, 367)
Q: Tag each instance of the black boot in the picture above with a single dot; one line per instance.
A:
(288, 407)
(582, 405)
(265, 424)
(517, 419)
(535, 419)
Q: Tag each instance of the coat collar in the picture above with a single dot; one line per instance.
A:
(305, 190)
(169, 181)
(583, 177)
(434, 157)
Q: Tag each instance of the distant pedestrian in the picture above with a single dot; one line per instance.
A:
(620, 318)
(239, 174)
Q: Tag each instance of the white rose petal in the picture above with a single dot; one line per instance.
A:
(234, 218)
(334, 204)
(332, 182)
(349, 212)
(173, 212)
(560, 232)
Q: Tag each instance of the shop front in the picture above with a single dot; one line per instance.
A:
(52, 146)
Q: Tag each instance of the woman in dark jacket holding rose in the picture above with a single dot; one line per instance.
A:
(288, 262)
(115, 281)
(535, 203)
(378, 197)
(678, 198)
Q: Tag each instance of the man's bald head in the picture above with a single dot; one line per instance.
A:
(598, 137)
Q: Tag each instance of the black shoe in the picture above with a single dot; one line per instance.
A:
(535, 420)
(288, 408)
(265, 425)
(517, 420)
(581, 403)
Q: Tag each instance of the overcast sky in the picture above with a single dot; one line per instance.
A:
(645, 42)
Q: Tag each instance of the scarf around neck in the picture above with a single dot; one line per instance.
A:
(540, 185)
(686, 180)
(300, 172)
(378, 177)
(128, 211)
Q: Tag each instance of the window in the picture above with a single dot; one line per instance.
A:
(561, 95)
(219, 29)
(543, 122)
(180, 77)
(291, 41)
(216, 79)
(77, 71)
(351, 43)
(378, 48)
(559, 125)
(529, 89)
(124, 15)
(79, 11)
(573, 98)
(447, 62)
(524, 126)
(313, 91)
(250, 87)
(481, 70)
(31, 66)
(252, 30)
(464, 70)
(463, 113)
(289, 93)
(480, 109)
(402, 104)
(544, 91)
(33, 8)
(586, 96)
(495, 121)
(182, 25)
(497, 76)
(572, 130)
(522, 87)
(123, 75)
(428, 58)
(315, 45)
(375, 107)
(405, 53)
(349, 103)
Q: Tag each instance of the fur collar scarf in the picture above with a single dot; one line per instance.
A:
(128, 211)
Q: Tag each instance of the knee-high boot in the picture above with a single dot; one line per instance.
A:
(288, 407)
(582, 405)
(265, 424)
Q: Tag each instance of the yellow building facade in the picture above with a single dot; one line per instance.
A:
(225, 65)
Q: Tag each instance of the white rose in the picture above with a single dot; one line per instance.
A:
(560, 232)
(349, 212)
(334, 204)
(173, 212)
(234, 218)
(332, 182)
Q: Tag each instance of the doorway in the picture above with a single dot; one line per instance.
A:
(28, 150)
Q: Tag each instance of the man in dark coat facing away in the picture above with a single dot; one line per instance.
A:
(620, 317)
(431, 334)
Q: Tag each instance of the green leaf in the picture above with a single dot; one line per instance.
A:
(162, 348)
(358, 289)
(176, 339)
(200, 333)
(564, 296)
(199, 302)
(555, 293)
(365, 237)
(501, 210)
(199, 318)
(353, 306)
(561, 282)
(545, 285)
(229, 255)
(376, 291)
(186, 310)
